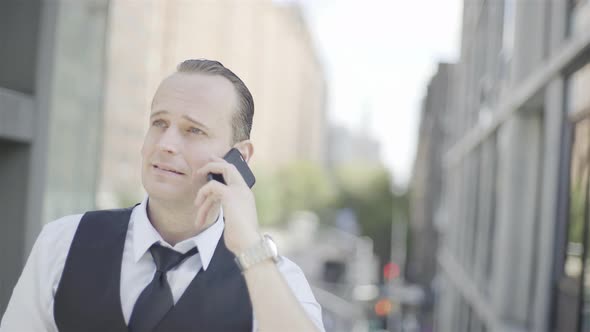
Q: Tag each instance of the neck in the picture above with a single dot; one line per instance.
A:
(176, 223)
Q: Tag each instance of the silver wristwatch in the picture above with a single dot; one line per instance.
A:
(264, 250)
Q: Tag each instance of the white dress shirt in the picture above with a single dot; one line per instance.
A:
(31, 305)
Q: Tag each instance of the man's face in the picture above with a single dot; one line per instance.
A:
(190, 121)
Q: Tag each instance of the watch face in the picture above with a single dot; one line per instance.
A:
(271, 246)
(264, 250)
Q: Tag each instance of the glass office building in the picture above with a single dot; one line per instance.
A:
(513, 213)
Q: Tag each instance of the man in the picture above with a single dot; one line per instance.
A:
(167, 264)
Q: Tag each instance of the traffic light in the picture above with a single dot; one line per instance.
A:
(390, 271)
(383, 307)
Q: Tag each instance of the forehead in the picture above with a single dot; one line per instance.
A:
(210, 98)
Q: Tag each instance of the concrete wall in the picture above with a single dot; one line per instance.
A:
(51, 77)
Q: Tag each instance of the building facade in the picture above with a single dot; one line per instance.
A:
(346, 146)
(51, 78)
(513, 212)
(266, 43)
(426, 187)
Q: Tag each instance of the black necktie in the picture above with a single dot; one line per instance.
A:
(156, 300)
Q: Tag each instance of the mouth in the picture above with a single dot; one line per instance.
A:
(166, 169)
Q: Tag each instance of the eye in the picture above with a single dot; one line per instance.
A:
(159, 123)
(194, 130)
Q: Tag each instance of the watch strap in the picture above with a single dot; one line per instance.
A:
(258, 253)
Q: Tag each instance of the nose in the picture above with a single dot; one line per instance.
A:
(169, 141)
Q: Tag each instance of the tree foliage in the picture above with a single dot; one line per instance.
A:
(364, 188)
(297, 186)
(368, 190)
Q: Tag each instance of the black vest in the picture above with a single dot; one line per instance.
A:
(88, 299)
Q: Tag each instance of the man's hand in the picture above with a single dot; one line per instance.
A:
(239, 207)
(275, 306)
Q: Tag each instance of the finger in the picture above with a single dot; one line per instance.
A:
(212, 188)
(200, 199)
(210, 166)
(230, 173)
(201, 195)
(204, 210)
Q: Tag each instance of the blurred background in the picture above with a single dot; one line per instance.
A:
(425, 162)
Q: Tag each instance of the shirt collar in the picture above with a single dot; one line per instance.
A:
(144, 235)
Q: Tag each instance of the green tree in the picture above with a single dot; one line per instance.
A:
(364, 188)
(368, 190)
(297, 186)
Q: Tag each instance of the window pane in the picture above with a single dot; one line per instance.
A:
(579, 202)
(578, 96)
(579, 17)
(571, 281)
(578, 186)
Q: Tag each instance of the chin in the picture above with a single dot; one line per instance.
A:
(169, 193)
(163, 191)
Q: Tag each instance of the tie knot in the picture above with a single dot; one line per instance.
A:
(166, 259)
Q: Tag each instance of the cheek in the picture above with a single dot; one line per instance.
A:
(197, 162)
(146, 147)
(201, 156)
(142, 150)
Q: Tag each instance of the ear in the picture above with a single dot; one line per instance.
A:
(246, 148)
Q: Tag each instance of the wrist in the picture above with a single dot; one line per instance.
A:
(263, 250)
(261, 267)
(247, 240)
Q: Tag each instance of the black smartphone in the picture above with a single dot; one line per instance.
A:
(235, 157)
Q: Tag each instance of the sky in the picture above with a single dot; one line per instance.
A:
(379, 56)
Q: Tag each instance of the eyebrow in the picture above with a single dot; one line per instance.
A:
(186, 117)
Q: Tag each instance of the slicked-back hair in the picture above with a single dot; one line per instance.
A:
(242, 118)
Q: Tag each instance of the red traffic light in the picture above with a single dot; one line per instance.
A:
(383, 307)
(390, 271)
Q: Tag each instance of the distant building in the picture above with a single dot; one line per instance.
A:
(426, 186)
(514, 211)
(348, 146)
(268, 45)
(51, 79)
